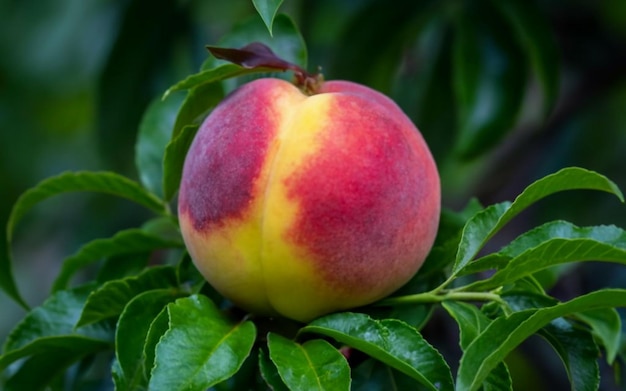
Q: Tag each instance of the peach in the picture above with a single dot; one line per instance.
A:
(298, 205)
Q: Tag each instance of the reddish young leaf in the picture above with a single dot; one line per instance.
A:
(257, 55)
(254, 55)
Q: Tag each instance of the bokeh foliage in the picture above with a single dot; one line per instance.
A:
(504, 92)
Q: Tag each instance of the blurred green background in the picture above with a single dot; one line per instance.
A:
(76, 76)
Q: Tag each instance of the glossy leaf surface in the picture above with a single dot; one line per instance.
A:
(267, 9)
(486, 223)
(574, 345)
(313, 365)
(391, 341)
(506, 333)
(130, 241)
(109, 300)
(51, 327)
(133, 328)
(215, 347)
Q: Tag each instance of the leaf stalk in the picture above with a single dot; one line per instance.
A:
(438, 296)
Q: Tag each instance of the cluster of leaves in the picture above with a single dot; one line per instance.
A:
(149, 311)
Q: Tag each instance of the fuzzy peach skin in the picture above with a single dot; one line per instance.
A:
(299, 205)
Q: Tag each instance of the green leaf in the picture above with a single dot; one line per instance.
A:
(155, 131)
(7, 281)
(174, 160)
(494, 261)
(448, 236)
(133, 328)
(109, 300)
(267, 9)
(505, 333)
(129, 241)
(197, 105)
(70, 348)
(314, 365)
(538, 236)
(38, 371)
(609, 235)
(190, 277)
(470, 319)
(121, 266)
(488, 222)
(215, 348)
(472, 322)
(606, 325)
(102, 182)
(556, 243)
(477, 231)
(414, 315)
(125, 265)
(578, 352)
(158, 327)
(212, 75)
(99, 182)
(270, 373)
(391, 341)
(574, 345)
(539, 43)
(50, 327)
(489, 76)
(165, 227)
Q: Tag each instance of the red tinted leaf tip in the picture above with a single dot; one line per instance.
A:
(258, 55)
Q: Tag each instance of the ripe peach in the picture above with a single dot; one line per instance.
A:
(299, 205)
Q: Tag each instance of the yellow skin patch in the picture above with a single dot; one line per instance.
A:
(243, 249)
(290, 276)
